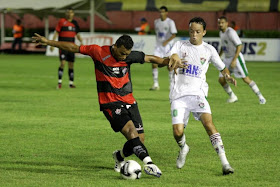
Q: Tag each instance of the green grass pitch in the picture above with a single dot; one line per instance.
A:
(52, 137)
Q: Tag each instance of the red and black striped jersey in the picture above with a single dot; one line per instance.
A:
(113, 79)
(67, 30)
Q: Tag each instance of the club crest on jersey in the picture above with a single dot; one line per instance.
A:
(201, 105)
(118, 111)
(202, 60)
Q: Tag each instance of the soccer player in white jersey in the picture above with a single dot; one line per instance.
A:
(234, 60)
(166, 31)
(187, 93)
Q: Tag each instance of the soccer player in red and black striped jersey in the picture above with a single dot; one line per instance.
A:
(112, 71)
(66, 30)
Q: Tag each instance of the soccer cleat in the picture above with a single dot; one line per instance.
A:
(232, 99)
(59, 86)
(181, 159)
(154, 88)
(118, 164)
(262, 101)
(227, 169)
(152, 169)
(72, 86)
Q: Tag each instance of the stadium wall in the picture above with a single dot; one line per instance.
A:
(253, 49)
(128, 20)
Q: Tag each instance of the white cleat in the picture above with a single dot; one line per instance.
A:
(152, 169)
(118, 164)
(181, 159)
(227, 169)
(154, 88)
(232, 99)
(262, 101)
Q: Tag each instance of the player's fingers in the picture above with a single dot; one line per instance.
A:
(37, 35)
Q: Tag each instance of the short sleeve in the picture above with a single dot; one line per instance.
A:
(216, 59)
(173, 28)
(136, 57)
(90, 50)
(58, 26)
(234, 37)
(175, 49)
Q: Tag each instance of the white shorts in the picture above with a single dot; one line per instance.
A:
(161, 51)
(240, 71)
(182, 107)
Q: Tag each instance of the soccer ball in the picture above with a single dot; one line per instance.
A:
(131, 170)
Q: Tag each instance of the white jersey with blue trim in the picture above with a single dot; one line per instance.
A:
(229, 40)
(164, 30)
(191, 81)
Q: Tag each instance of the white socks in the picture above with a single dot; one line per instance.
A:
(155, 77)
(228, 90)
(255, 89)
(217, 143)
(182, 142)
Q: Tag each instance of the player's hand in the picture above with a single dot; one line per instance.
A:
(230, 79)
(39, 40)
(175, 62)
(233, 64)
(164, 43)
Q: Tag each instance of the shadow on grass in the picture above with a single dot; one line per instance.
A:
(53, 168)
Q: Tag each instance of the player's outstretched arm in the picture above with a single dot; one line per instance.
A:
(66, 46)
(227, 76)
(172, 63)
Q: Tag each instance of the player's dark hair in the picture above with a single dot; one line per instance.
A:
(126, 41)
(198, 20)
(18, 21)
(164, 8)
(223, 17)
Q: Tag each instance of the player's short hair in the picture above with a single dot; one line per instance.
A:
(223, 17)
(18, 21)
(164, 8)
(126, 41)
(198, 20)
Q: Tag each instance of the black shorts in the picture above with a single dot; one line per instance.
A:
(65, 55)
(119, 116)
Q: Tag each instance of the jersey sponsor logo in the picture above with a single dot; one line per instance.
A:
(116, 70)
(160, 34)
(193, 71)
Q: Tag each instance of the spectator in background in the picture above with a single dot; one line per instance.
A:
(144, 28)
(166, 31)
(237, 29)
(18, 30)
(67, 29)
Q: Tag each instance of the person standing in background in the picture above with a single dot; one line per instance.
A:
(144, 28)
(18, 30)
(166, 31)
(67, 29)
